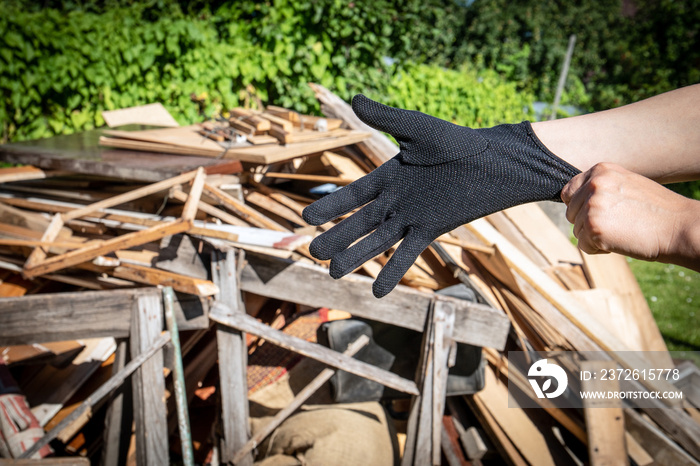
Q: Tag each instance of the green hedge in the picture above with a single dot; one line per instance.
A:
(60, 69)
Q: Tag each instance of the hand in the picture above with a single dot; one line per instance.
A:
(444, 176)
(615, 210)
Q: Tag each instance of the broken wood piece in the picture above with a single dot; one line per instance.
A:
(155, 277)
(304, 177)
(259, 123)
(114, 382)
(239, 208)
(150, 114)
(190, 209)
(38, 255)
(8, 175)
(223, 315)
(278, 122)
(99, 248)
(209, 209)
(447, 239)
(130, 196)
(271, 205)
(298, 400)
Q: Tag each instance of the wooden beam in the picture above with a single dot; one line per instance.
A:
(153, 276)
(50, 317)
(311, 285)
(233, 357)
(239, 208)
(148, 383)
(245, 323)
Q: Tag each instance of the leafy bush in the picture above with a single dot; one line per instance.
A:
(60, 69)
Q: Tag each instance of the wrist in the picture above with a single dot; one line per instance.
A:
(684, 248)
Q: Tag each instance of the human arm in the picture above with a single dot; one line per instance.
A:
(658, 137)
(616, 210)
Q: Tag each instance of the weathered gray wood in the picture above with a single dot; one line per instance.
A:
(50, 317)
(150, 417)
(442, 343)
(245, 323)
(298, 400)
(115, 381)
(233, 359)
(118, 418)
(654, 441)
(311, 285)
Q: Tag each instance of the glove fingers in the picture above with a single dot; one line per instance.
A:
(398, 122)
(342, 201)
(399, 263)
(388, 234)
(338, 238)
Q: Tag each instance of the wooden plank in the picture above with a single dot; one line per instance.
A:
(611, 272)
(239, 208)
(209, 209)
(129, 196)
(337, 180)
(148, 384)
(312, 286)
(99, 248)
(285, 125)
(273, 154)
(543, 234)
(155, 277)
(38, 255)
(267, 203)
(150, 114)
(11, 174)
(656, 442)
(233, 355)
(311, 388)
(190, 209)
(223, 315)
(51, 317)
(304, 135)
(605, 422)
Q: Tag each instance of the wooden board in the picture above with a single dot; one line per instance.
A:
(50, 317)
(81, 153)
(149, 114)
(311, 285)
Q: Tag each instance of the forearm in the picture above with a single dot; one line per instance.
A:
(658, 137)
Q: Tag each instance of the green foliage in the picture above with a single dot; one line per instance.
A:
(59, 69)
(625, 50)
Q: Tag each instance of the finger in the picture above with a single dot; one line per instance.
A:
(398, 122)
(342, 201)
(338, 238)
(385, 236)
(405, 255)
(573, 186)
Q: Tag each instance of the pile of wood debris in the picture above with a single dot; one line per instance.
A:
(78, 246)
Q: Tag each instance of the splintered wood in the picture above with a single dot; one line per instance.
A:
(80, 257)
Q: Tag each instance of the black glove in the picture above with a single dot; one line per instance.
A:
(445, 176)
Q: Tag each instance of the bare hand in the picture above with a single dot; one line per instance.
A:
(615, 210)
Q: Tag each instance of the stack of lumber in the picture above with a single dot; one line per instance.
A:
(73, 233)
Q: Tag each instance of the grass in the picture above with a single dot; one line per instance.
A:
(673, 294)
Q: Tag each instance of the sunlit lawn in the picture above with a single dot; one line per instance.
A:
(673, 294)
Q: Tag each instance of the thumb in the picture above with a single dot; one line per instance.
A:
(395, 121)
